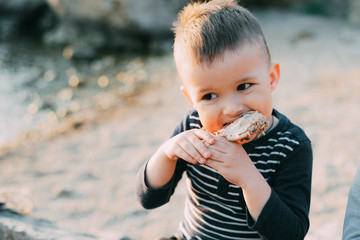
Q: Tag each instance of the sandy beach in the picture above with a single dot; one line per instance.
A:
(83, 178)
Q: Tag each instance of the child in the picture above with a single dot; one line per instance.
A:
(255, 190)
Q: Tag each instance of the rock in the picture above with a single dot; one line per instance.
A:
(18, 227)
(115, 24)
(86, 39)
(354, 12)
(152, 17)
(20, 5)
(334, 8)
(24, 16)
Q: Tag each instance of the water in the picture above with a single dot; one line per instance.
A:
(12, 110)
(18, 73)
(39, 87)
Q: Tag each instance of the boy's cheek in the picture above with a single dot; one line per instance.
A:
(209, 120)
(210, 129)
(188, 96)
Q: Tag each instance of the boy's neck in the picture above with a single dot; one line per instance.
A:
(273, 121)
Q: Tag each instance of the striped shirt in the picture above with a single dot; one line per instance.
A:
(216, 209)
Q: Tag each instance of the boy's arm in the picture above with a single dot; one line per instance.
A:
(188, 145)
(256, 193)
(155, 197)
(160, 169)
(286, 213)
(151, 197)
(160, 175)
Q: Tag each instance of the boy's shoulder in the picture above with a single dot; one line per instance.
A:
(192, 120)
(285, 141)
(288, 132)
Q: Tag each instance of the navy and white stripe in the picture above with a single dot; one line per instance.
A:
(214, 214)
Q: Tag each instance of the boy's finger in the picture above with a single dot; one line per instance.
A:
(204, 135)
(216, 155)
(199, 145)
(195, 148)
(179, 152)
(213, 163)
(186, 157)
(206, 144)
(202, 147)
(221, 145)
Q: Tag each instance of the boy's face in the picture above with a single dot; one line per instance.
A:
(223, 91)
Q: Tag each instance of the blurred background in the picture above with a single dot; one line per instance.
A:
(84, 84)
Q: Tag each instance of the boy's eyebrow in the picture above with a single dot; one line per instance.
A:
(205, 90)
(245, 79)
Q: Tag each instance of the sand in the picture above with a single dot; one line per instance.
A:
(83, 179)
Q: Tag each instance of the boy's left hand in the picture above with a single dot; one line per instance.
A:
(231, 161)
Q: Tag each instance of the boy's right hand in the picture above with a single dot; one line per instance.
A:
(189, 146)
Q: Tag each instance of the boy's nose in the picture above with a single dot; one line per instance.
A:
(233, 107)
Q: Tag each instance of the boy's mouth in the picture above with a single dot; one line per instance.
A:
(249, 124)
(230, 122)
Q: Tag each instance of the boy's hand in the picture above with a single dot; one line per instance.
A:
(231, 161)
(190, 146)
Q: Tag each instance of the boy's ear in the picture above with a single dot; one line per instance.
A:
(186, 94)
(274, 76)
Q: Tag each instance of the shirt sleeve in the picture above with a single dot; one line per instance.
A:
(351, 228)
(286, 213)
(151, 198)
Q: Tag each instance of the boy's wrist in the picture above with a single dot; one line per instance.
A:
(159, 169)
(252, 180)
(256, 193)
(163, 153)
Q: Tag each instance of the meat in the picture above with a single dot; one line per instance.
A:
(252, 124)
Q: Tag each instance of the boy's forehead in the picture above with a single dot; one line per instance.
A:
(186, 61)
(232, 64)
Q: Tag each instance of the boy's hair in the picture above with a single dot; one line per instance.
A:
(206, 30)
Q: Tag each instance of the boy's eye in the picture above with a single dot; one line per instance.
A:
(244, 86)
(209, 96)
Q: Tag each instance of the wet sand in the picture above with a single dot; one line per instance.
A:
(83, 178)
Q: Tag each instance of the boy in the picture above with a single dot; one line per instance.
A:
(248, 190)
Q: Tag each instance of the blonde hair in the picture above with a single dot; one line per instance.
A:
(206, 30)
